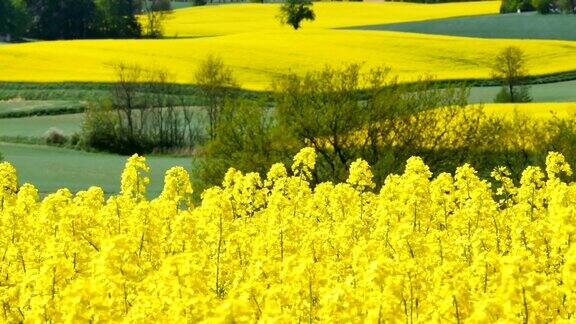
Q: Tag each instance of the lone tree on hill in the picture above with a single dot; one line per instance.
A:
(509, 67)
(293, 12)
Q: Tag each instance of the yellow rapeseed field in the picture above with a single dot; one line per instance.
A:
(249, 39)
(448, 248)
(539, 110)
(250, 18)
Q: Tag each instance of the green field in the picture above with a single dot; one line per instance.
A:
(181, 4)
(73, 91)
(36, 126)
(19, 107)
(50, 168)
(513, 26)
(550, 92)
(32, 97)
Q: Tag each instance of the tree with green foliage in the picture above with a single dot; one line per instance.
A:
(65, 19)
(293, 12)
(510, 67)
(567, 6)
(13, 19)
(347, 113)
(509, 6)
(245, 138)
(543, 6)
(117, 18)
(79, 19)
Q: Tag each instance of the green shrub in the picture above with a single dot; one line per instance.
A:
(54, 136)
(246, 139)
(99, 128)
(75, 139)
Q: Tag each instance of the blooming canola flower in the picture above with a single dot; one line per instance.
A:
(422, 248)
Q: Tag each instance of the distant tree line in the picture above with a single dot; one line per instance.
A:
(432, 1)
(542, 6)
(507, 6)
(77, 19)
(13, 19)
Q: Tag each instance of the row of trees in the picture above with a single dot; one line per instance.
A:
(346, 114)
(343, 113)
(13, 19)
(145, 112)
(542, 6)
(76, 19)
(332, 110)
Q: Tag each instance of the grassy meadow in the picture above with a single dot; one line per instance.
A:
(528, 25)
(36, 126)
(22, 107)
(547, 92)
(51, 168)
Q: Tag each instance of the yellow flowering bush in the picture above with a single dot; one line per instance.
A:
(423, 248)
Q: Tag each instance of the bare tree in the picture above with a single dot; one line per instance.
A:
(146, 112)
(155, 14)
(215, 82)
(125, 96)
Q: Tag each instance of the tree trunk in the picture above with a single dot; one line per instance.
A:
(511, 87)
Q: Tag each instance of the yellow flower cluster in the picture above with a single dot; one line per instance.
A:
(449, 248)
